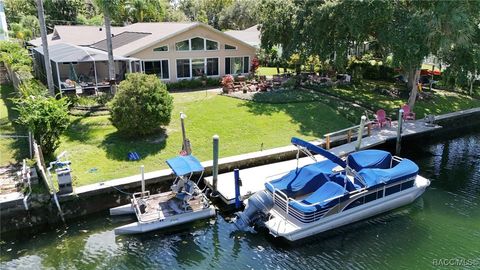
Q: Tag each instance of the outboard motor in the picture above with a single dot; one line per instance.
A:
(258, 204)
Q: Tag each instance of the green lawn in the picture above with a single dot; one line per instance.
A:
(11, 150)
(98, 153)
(363, 94)
(269, 71)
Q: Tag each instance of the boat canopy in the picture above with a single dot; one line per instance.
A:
(183, 165)
(318, 150)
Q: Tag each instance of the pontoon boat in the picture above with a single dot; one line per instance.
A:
(331, 193)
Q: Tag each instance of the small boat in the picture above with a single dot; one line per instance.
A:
(332, 192)
(185, 202)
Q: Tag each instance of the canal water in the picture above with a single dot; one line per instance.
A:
(440, 228)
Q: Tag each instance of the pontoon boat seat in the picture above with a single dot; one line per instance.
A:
(369, 159)
(306, 180)
(327, 191)
(403, 170)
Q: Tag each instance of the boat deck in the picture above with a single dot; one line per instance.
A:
(161, 206)
(253, 179)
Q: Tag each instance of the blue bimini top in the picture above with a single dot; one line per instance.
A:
(304, 180)
(183, 165)
(369, 159)
(403, 170)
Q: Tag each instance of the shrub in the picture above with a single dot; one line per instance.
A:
(141, 105)
(192, 84)
(46, 117)
(227, 79)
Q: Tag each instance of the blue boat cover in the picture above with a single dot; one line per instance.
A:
(369, 159)
(183, 165)
(327, 191)
(319, 150)
(403, 170)
(306, 180)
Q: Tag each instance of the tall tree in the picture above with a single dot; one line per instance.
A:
(206, 11)
(63, 11)
(107, 7)
(145, 10)
(46, 54)
(240, 15)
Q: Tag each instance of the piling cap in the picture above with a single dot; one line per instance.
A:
(364, 117)
(182, 115)
(215, 137)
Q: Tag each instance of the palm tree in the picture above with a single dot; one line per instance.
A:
(136, 9)
(46, 55)
(107, 7)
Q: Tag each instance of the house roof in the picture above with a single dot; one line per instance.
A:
(120, 40)
(66, 53)
(250, 35)
(127, 40)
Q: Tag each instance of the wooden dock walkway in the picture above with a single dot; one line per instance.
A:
(253, 178)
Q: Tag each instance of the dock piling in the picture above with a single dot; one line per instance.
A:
(236, 174)
(142, 172)
(216, 140)
(399, 132)
(360, 132)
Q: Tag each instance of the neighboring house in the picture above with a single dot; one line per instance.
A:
(250, 35)
(3, 22)
(172, 51)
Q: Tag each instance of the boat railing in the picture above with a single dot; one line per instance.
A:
(282, 200)
(356, 175)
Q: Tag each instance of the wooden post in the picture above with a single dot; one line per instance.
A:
(369, 129)
(360, 133)
(327, 143)
(399, 132)
(236, 174)
(349, 135)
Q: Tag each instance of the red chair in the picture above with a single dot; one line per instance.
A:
(407, 113)
(382, 119)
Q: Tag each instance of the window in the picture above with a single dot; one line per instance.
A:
(212, 66)
(197, 44)
(198, 67)
(246, 64)
(182, 45)
(230, 47)
(237, 65)
(159, 68)
(163, 48)
(370, 197)
(183, 68)
(211, 45)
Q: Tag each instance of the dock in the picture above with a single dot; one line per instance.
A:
(254, 178)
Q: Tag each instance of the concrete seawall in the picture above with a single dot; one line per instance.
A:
(100, 197)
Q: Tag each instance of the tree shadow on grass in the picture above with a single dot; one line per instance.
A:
(314, 118)
(8, 125)
(118, 146)
(80, 131)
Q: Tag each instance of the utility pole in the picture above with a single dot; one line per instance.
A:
(46, 55)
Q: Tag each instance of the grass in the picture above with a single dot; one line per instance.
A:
(363, 94)
(98, 153)
(269, 71)
(12, 150)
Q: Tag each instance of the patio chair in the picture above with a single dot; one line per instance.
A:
(407, 113)
(382, 119)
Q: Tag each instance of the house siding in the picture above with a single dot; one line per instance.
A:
(199, 31)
